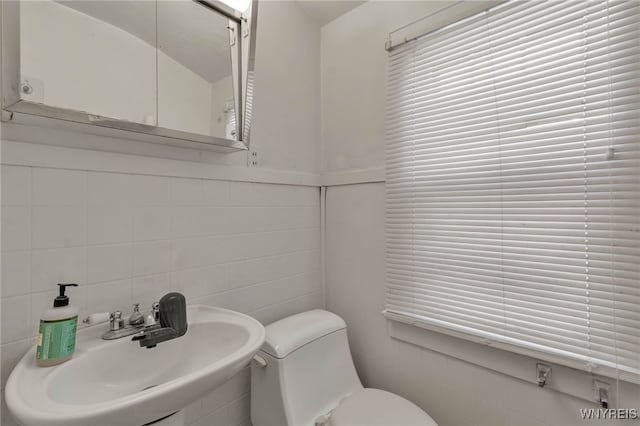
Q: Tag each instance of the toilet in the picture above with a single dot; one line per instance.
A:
(304, 376)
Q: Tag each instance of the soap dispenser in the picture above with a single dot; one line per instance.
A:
(57, 332)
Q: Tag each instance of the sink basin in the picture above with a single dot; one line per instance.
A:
(117, 382)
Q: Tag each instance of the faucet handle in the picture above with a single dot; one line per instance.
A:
(116, 320)
(136, 318)
(152, 317)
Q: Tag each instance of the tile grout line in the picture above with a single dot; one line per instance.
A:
(133, 233)
(86, 248)
(31, 243)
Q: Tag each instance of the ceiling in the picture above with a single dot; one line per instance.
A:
(325, 11)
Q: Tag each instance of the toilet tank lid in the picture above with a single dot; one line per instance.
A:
(290, 333)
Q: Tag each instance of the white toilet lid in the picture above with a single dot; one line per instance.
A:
(374, 407)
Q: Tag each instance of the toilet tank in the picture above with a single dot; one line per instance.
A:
(309, 370)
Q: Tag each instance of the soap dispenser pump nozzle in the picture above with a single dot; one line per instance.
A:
(62, 299)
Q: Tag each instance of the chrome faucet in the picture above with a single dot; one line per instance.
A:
(117, 326)
(164, 321)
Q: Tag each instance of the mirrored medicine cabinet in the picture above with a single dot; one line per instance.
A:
(178, 72)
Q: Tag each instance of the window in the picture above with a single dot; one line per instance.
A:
(513, 181)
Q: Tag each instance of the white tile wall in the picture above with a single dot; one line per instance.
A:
(18, 235)
(127, 238)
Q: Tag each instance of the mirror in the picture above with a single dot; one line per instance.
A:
(178, 69)
(195, 87)
(85, 56)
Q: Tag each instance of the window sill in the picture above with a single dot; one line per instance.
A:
(491, 355)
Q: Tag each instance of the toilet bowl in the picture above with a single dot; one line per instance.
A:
(304, 376)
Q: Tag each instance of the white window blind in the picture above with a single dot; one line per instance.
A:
(513, 181)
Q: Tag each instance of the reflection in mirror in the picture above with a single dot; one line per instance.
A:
(195, 87)
(83, 56)
(166, 63)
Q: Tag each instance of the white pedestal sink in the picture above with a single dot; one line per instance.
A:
(109, 383)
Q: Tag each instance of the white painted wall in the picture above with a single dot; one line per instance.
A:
(354, 81)
(453, 391)
(286, 127)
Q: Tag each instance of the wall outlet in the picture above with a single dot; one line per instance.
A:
(253, 158)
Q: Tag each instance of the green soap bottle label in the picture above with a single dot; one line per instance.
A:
(56, 339)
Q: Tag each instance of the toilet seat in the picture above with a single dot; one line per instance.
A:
(374, 407)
